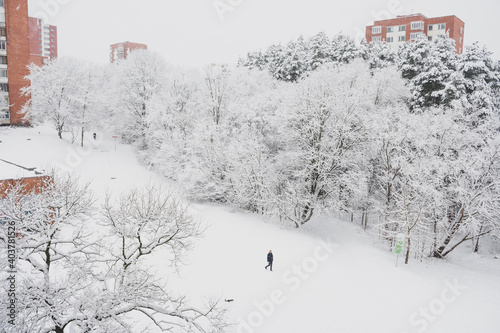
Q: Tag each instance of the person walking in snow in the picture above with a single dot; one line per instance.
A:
(270, 260)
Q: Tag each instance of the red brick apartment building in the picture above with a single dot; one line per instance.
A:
(43, 41)
(407, 27)
(21, 43)
(120, 51)
(14, 58)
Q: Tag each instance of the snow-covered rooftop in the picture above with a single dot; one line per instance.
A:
(10, 170)
(19, 155)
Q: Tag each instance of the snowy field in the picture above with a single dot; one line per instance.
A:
(330, 277)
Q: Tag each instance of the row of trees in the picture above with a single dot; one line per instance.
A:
(409, 144)
(71, 277)
(437, 75)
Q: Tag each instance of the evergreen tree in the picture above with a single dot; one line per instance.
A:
(481, 80)
(438, 83)
(294, 62)
(412, 57)
(319, 51)
(378, 54)
(344, 49)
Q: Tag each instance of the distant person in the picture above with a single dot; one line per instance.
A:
(270, 260)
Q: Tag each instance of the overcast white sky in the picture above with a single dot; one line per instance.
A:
(194, 33)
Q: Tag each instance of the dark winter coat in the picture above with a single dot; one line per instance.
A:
(269, 257)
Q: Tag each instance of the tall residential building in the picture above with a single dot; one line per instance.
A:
(43, 41)
(14, 59)
(120, 51)
(23, 41)
(407, 27)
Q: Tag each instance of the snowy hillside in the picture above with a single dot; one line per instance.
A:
(330, 277)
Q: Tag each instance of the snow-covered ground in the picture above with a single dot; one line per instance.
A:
(330, 277)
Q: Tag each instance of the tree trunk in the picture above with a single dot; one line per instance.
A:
(83, 131)
(408, 250)
(476, 247)
(438, 253)
(435, 241)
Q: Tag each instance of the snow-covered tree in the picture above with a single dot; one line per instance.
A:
(55, 251)
(438, 83)
(480, 81)
(378, 54)
(53, 90)
(343, 49)
(137, 81)
(319, 51)
(324, 130)
(87, 107)
(291, 62)
(143, 222)
(216, 82)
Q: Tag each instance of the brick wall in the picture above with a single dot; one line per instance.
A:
(31, 185)
(455, 27)
(34, 36)
(16, 19)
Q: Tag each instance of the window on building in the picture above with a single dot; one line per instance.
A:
(390, 29)
(4, 87)
(376, 30)
(3, 72)
(3, 45)
(414, 35)
(4, 114)
(3, 32)
(401, 38)
(461, 30)
(2, 17)
(441, 26)
(2, 4)
(376, 39)
(390, 39)
(431, 27)
(430, 38)
(461, 40)
(3, 60)
(402, 28)
(417, 25)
